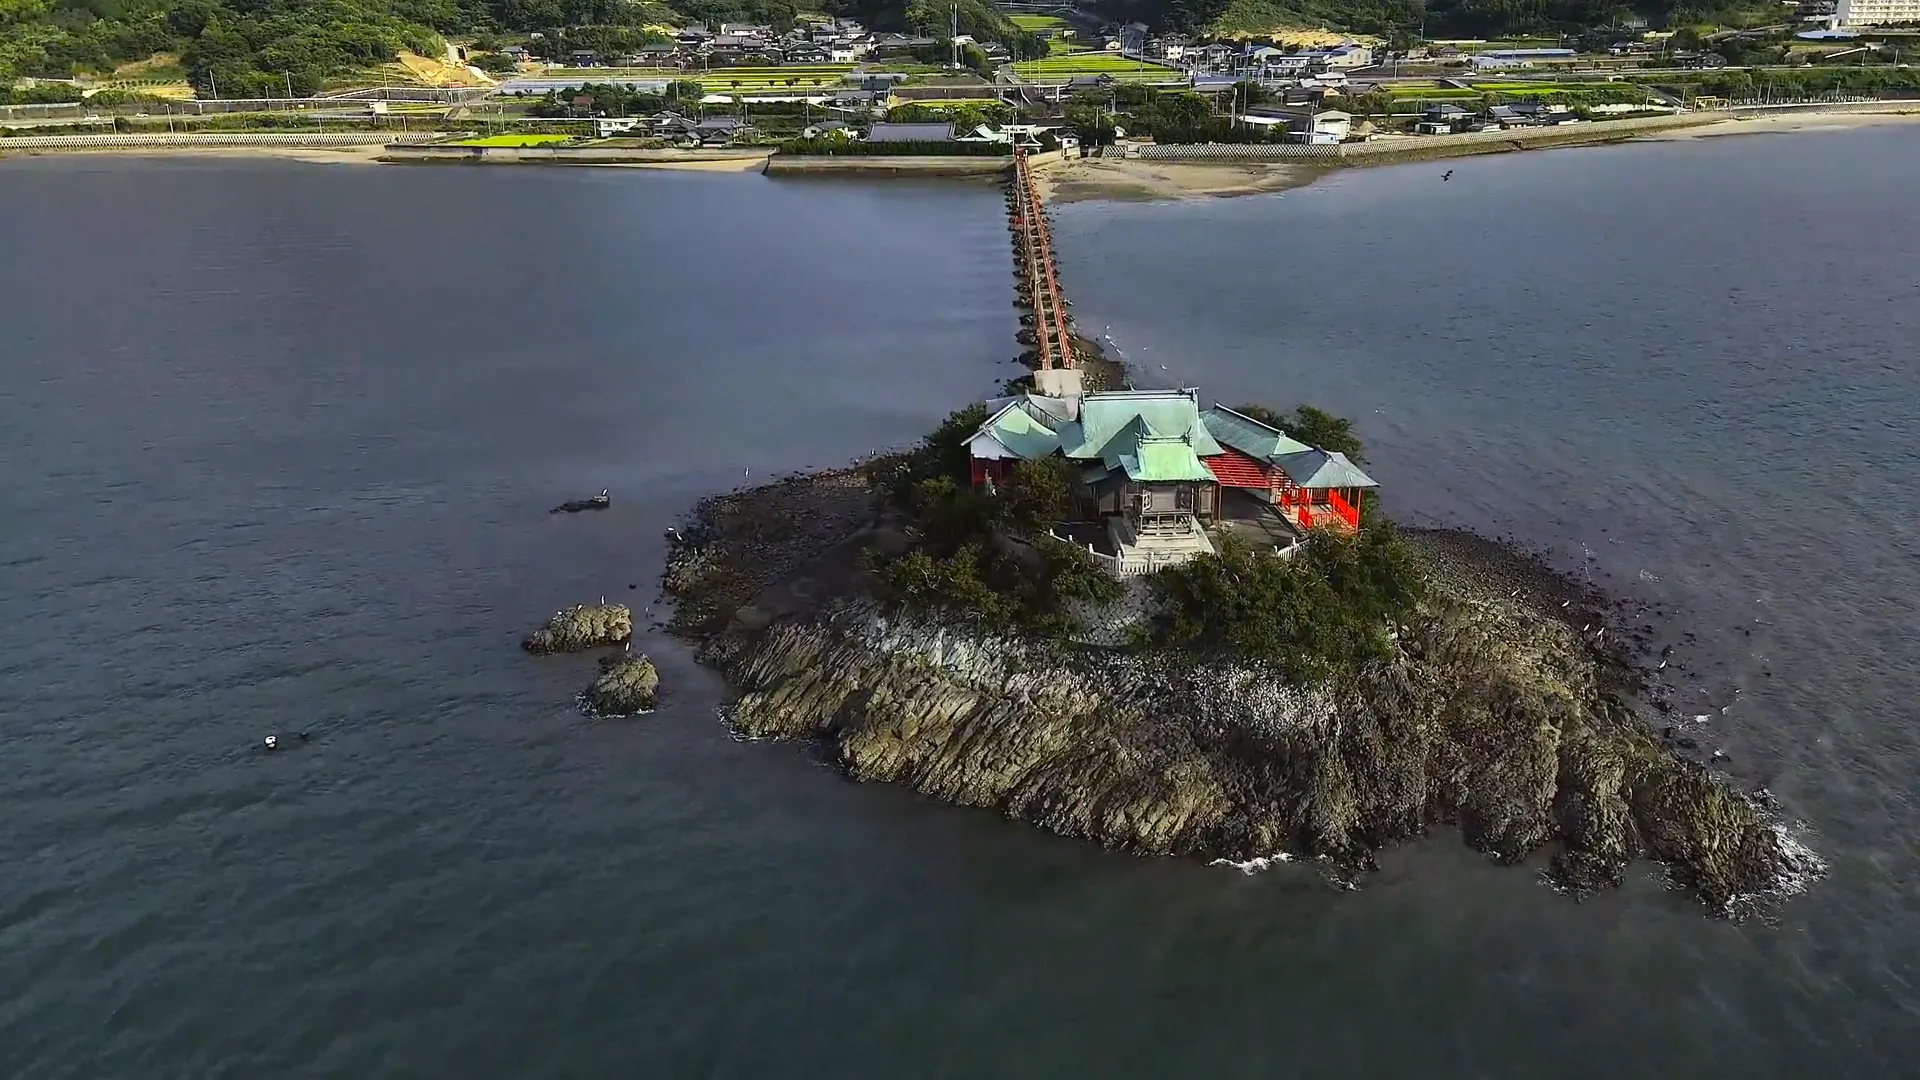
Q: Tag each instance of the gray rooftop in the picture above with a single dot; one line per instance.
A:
(910, 133)
(1324, 469)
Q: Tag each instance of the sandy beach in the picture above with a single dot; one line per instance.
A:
(1110, 178)
(1785, 123)
(1122, 178)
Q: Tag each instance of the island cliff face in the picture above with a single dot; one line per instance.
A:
(1493, 713)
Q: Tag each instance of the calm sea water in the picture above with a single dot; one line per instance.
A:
(278, 445)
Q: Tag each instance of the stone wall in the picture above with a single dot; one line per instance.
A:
(886, 165)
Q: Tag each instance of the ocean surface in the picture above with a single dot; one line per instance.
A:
(277, 445)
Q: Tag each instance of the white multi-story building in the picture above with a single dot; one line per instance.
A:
(1875, 12)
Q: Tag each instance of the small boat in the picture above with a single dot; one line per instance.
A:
(598, 502)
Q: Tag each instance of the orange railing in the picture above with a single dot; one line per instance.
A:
(1053, 345)
(1344, 510)
(1298, 504)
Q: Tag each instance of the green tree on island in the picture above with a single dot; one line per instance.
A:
(1315, 427)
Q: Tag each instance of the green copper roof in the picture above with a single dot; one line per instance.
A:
(1162, 460)
(1171, 414)
(1025, 437)
(1249, 436)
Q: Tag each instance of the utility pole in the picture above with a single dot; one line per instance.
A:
(289, 76)
(954, 37)
(215, 83)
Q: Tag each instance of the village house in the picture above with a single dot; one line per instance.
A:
(669, 125)
(1308, 125)
(1157, 475)
(1442, 119)
(1082, 83)
(1346, 55)
(721, 130)
(1217, 55)
(606, 126)
(735, 44)
(1166, 47)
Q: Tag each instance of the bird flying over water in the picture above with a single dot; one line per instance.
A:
(1446, 176)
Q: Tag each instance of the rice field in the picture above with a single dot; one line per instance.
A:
(770, 80)
(744, 80)
(1059, 69)
(1434, 92)
(948, 103)
(513, 140)
(612, 74)
(1038, 22)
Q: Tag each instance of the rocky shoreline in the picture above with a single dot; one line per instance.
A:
(1504, 713)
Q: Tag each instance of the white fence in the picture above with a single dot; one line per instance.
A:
(1142, 565)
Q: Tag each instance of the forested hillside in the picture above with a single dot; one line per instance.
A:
(259, 47)
(249, 48)
(255, 47)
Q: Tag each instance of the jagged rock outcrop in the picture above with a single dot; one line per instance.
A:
(1494, 714)
(628, 684)
(586, 626)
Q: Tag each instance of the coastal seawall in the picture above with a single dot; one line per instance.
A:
(314, 140)
(455, 154)
(902, 165)
(886, 165)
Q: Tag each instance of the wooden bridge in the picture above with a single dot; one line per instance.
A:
(1039, 278)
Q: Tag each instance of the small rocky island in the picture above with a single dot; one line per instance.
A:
(996, 619)
(582, 627)
(627, 683)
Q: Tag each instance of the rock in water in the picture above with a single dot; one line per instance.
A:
(627, 684)
(587, 626)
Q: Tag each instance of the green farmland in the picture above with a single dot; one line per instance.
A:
(731, 80)
(1512, 90)
(770, 80)
(1437, 93)
(1059, 69)
(612, 74)
(514, 140)
(949, 103)
(1038, 23)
